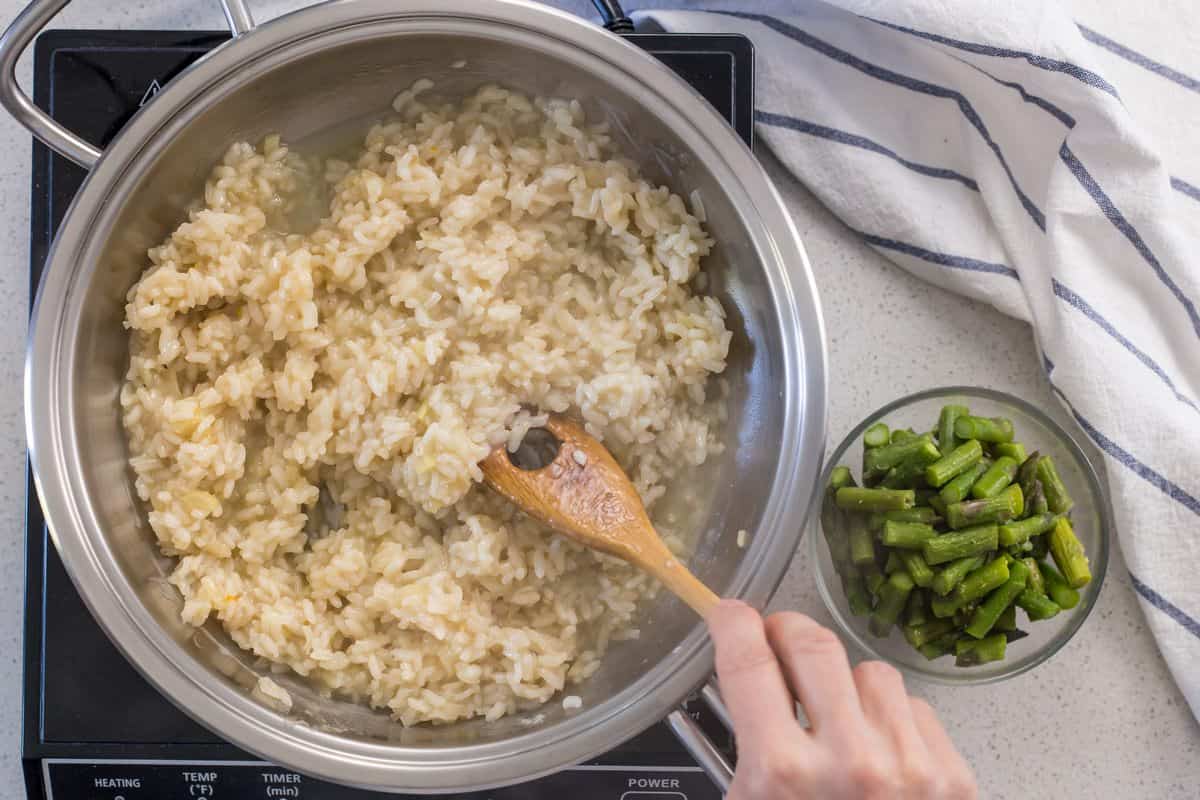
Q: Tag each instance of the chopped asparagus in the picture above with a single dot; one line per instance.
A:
(1009, 504)
(953, 463)
(994, 429)
(947, 441)
(1008, 620)
(999, 475)
(1057, 587)
(876, 435)
(960, 544)
(907, 535)
(918, 635)
(991, 575)
(1037, 606)
(880, 459)
(1023, 530)
(916, 612)
(861, 542)
(1056, 492)
(853, 498)
(856, 594)
(952, 574)
(973, 652)
(989, 612)
(1014, 450)
(1068, 554)
(959, 488)
(915, 565)
(892, 598)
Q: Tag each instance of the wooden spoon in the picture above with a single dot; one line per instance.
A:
(583, 493)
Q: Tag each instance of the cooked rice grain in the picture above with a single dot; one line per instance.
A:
(306, 410)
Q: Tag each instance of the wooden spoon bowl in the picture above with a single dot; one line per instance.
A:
(583, 493)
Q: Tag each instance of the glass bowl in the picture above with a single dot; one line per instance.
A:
(1090, 518)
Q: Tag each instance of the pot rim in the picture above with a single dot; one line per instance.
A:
(78, 535)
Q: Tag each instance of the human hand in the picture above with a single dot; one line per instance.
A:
(868, 739)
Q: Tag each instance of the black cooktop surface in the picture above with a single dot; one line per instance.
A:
(93, 727)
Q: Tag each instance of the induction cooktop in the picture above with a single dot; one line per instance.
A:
(93, 727)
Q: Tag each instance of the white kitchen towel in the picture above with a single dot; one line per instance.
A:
(979, 146)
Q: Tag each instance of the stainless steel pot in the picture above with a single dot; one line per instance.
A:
(307, 75)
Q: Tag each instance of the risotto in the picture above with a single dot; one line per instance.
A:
(323, 352)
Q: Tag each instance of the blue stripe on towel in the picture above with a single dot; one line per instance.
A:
(1032, 99)
(1118, 453)
(1184, 187)
(944, 259)
(1133, 56)
(1164, 605)
(1041, 62)
(1118, 219)
(1091, 313)
(905, 81)
(854, 140)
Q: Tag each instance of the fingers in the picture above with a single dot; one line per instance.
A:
(752, 685)
(816, 667)
(885, 703)
(960, 783)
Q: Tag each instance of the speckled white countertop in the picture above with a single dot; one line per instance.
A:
(1109, 721)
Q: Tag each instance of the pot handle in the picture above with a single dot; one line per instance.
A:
(20, 33)
(696, 741)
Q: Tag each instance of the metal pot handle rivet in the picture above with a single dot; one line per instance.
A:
(28, 24)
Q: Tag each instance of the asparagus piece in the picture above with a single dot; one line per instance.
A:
(973, 652)
(991, 575)
(903, 435)
(1005, 506)
(876, 435)
(994, 429)
(853, 498)
(892, 598)
(943, 645)
(907, 473)
(1027, 473)
(833, 521)
(1068, 554)
(862, 543)
(893, 563)
(1057, 587)
(963, 615)
(1036, 605)
(1008, 620)
(856, 594)
(1056, 493)
(960, 544)
(916, 612)
(945, 606)
(916, 567)
(984, 618)
(921, 514)
(923, 496)
(919, 635)
(1040, 548)
(907, 535)
(959, 487)
(938, 505)
(947, 441)
(1035, 582)
(873, 578)
(880, 459)
(999, 475)
(1023, 530)
(954, 462)
(953, 573)
(1014, 450)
